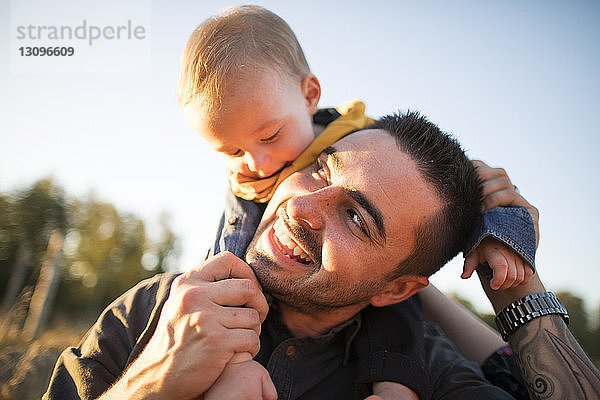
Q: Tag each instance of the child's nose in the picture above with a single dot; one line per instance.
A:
(258, 163)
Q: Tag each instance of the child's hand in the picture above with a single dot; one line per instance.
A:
(508, 268)
(244, 380)
(391, 390)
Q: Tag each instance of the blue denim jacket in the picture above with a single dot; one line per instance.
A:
(512, 226)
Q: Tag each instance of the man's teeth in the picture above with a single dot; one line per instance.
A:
(288, 242)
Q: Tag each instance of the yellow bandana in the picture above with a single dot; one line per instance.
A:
(261, 190)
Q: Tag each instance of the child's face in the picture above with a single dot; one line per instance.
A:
(263, 124)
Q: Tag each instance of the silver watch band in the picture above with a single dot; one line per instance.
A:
(520, 312)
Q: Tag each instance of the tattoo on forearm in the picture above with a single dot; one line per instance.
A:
(552, 363)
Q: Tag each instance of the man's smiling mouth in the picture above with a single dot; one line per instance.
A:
(287, 245)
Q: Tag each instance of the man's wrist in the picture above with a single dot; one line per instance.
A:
(527, 308)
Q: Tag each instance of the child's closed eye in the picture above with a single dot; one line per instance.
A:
(271, 138)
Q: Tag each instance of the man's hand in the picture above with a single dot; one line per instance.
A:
(509, 269)
(498, 191)
(213, 312)
(244, 380)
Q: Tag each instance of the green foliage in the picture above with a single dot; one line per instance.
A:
(27, 218)
(105, 251)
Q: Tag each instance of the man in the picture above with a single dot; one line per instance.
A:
(366, 225)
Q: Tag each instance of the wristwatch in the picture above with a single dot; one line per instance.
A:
(518, 313)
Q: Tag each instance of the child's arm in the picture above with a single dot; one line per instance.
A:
(243, 380)
(509, 269)
(473, 337)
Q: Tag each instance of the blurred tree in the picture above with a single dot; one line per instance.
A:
(27, 218)
(579, 323)
(105, 252)
(595, 347)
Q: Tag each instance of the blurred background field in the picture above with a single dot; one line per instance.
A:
(63, 260)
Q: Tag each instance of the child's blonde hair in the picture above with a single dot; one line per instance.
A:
(238, 41)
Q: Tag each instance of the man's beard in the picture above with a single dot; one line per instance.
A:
(304, 294)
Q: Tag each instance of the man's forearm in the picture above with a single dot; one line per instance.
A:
(551, 361)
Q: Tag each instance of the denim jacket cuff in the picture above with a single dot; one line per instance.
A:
(513, 226)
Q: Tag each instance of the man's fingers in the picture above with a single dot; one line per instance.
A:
(239, 292)
(241, 357)
(501, 198)
(496, 184)
(486, 172)
(222, 266)
(247, 318)
(243, 340)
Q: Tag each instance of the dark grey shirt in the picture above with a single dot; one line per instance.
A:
(323, 367)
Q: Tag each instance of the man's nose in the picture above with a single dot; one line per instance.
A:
(314, 208)
(257, 163)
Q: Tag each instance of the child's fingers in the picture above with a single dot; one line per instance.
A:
(528, 274)
(497, 262)
(471, 263)
(269, 391)
(511, 276)
(514, 273)
(499, 277)
(520, 273)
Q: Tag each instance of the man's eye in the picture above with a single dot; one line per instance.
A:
(270, 138)
(356, 219)
(236, 153)
(320, 171)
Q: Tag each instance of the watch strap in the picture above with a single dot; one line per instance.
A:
(519, 312)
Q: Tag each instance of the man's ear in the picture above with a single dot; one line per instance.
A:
(311, 90)
(399, 289)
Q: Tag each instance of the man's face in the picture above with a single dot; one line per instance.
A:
(334, 230)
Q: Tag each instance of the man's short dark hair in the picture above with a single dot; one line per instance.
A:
(443, 163)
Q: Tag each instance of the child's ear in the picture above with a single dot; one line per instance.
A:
(311, 90)
(399, 289)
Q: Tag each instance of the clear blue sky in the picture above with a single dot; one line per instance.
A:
(517, 82)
